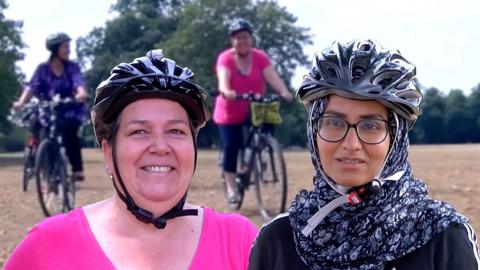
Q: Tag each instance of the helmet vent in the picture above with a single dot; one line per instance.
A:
(328, 70)
(385, 82)
(365, 47)
(402, 85)
(315, 74)
(374, 92)
(384, 79)
(357, 73)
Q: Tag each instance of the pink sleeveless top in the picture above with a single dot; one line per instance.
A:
(67, 242)
(236, 111)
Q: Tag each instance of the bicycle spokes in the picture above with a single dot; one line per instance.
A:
(28, 165)
(270, 178)
(49, 194)
(56, 189)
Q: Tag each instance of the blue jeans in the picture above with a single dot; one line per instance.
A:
(232, 142)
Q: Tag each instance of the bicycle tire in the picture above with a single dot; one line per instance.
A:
(270, 178)
(68, 184)
(28, 167)
(48, 178)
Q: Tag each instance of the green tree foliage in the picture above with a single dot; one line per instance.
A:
(141, 25)
(203, 33)
(194, 33)
(430, 125)
(454, 118)
(473, 106)
(10, 52)
(458, 118)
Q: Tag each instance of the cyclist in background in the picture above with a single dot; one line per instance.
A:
(240, 69)
(60, 76)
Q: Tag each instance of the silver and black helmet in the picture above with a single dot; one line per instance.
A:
(55, 40)
(151, 76)
(362, 69)
(238, 25)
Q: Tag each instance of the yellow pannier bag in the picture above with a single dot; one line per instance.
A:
(265, 113)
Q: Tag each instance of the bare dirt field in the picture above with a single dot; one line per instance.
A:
(452, 173)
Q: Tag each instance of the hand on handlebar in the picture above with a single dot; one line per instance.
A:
(57, 99)
(229, 94)
(81, 97)
(287, 96)
(17, 105)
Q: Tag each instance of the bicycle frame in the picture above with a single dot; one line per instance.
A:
(264, 168)
(254, 142)
(54, 179)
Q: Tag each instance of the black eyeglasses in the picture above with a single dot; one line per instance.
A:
(369, 131)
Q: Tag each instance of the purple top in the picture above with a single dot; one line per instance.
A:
(45, 84)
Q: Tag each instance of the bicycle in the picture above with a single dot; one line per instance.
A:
(261, 161)
(25, 118)
(55, 183)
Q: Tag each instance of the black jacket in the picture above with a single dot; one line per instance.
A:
(453, 249)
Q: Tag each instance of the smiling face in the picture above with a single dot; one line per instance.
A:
(242, 42)
(155, 151)
(351, 162)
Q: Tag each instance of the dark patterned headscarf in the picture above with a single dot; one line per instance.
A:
(390, 224)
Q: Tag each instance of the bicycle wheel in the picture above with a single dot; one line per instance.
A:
(28, 166)
(49, 177)
(270, 178)
(68, 184)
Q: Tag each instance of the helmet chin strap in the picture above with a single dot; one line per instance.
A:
(141, 213)
(353, 195)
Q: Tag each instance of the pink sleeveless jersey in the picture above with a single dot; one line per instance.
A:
(236, 111)
(66, 242)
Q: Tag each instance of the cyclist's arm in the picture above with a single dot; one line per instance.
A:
(24, 98)
(78, 80)
(81, 94)
(223, 76)
(272, 77)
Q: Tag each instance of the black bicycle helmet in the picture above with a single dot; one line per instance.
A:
(238, 25)
(362, 69)
(151, 76)
(55, 40)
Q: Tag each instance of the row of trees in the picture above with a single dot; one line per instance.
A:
(451, 118)
(10, 52)
(193, 32)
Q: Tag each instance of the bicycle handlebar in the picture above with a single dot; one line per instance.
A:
(252, 97)
(19, 116)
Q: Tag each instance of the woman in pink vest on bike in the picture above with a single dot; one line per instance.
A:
(240, 69)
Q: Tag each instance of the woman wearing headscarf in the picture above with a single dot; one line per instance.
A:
(366, 210)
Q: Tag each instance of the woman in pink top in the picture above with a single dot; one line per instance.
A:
(240, 69)
(146, 116)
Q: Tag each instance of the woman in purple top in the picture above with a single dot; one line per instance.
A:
(60, 76)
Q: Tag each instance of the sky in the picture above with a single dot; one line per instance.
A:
(441, 37)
